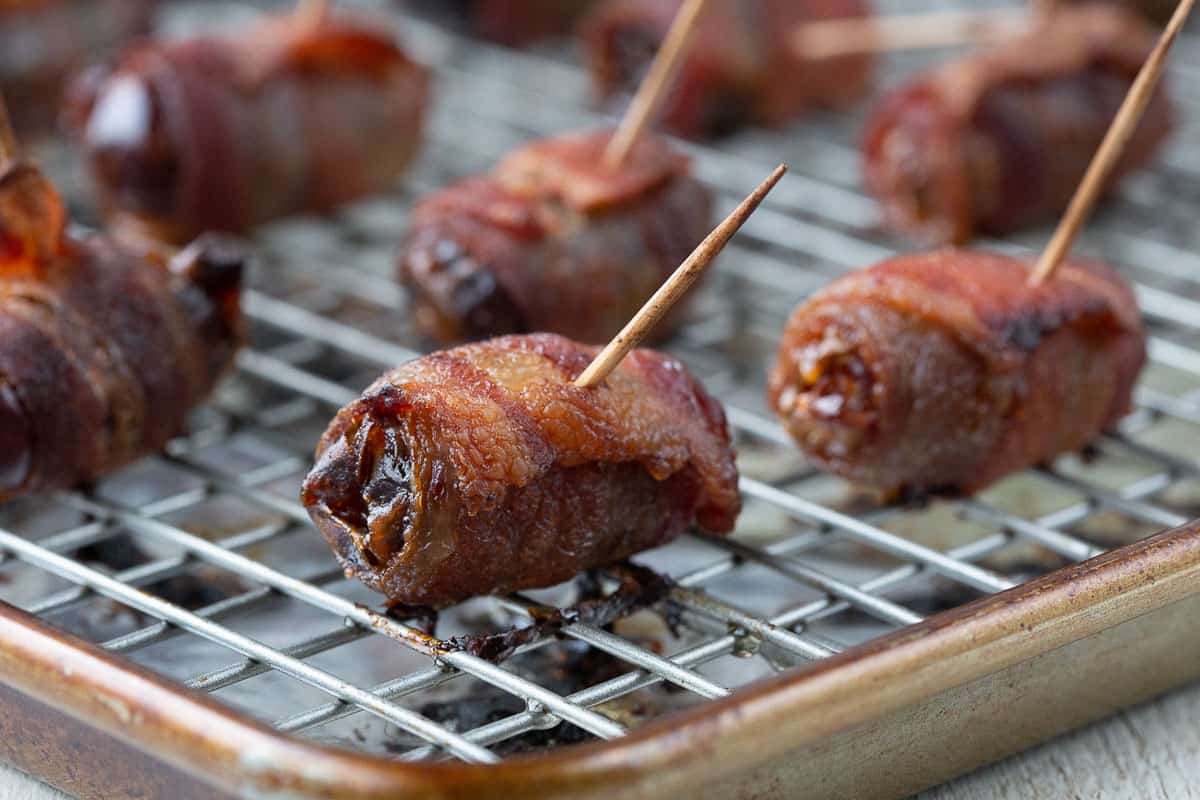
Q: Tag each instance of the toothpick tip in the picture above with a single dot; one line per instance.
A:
(676, 286)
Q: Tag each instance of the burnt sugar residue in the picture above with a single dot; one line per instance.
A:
(638, 588)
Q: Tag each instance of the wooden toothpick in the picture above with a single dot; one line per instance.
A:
(655, 85)
(859, 35)
(9, 148)
(675, 287)
(311, 14)
(1111, 148)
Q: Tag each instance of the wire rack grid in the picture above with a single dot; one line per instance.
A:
(201, 564)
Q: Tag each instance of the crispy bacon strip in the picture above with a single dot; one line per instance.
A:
(742, 67)
(102, 350)
(552, 240)
(1001, 139)
(511, 22)
(946, 371)
(44, 42)
(229, 133)
(482, 469)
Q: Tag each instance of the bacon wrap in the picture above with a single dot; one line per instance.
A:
(741, 68)
(44, 42)
(102, 350)
(229, 133)
(551, 240)
(511, 22)
(484, 470)
(1000, 140)
(944, 372)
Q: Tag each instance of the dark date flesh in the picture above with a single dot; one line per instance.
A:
(483, 469)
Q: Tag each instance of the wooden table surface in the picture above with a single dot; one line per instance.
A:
(1149, 753)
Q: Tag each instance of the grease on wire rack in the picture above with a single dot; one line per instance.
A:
(637, 588)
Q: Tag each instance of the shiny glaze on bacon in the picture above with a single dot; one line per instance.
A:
(1000, 140)
(946, 371)
(227, 133)
(741, 69)
(552, 240)
(511, 22)
(44, 42)
(103, 350)
(483, 469)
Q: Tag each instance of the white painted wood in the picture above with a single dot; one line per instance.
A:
(17, 786)
(1150, 753)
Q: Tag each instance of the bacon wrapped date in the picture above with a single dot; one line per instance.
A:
(552, 240)
(741, 68)
(44, 42)
(226, 133)
(483, 469)
(103, 350)
(946, 371)
(1001, 139)
(511, 22)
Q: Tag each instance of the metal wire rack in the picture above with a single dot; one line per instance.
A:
(201, 565)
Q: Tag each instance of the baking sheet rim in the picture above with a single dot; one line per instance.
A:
(690, 749)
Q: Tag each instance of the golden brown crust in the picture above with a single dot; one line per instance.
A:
(552, 240)
(946, 371)
(482, 469)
